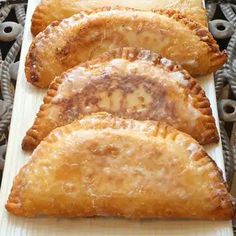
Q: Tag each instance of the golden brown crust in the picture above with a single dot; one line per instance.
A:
(204, 130)
(56, 10)
(165, 31)
(107, 166)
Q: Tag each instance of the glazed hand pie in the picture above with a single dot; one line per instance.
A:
(125, 168)
(83, 37)
(131, 83)
(52, 10)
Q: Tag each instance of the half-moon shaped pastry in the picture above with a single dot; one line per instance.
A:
(52, 10)
(131, 83)
(86, 169)
(83, 37)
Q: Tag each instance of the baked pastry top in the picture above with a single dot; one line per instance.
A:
(131, 83)
(52, 10)
(82, 37)
(105, 166)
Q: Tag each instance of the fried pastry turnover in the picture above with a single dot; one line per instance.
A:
(82, 37)
(105, 166)
(52, 10)
(131, 83)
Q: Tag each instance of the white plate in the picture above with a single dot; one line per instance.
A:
(27, 102)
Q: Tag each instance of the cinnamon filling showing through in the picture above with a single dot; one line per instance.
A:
(133, 97)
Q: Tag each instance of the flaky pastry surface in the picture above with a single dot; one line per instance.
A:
(82, 37)
(131, 83)
(56, 10)
(108, 166)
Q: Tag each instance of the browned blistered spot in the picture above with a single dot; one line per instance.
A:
(202, 32)
(33, 61)
(34, 77)
(204, 36)
(103, 150)
(148, 55)
(141, 98)
(93, 100)
(49, 28)
(62, 53)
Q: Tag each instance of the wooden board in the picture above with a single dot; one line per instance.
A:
(27, 102)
